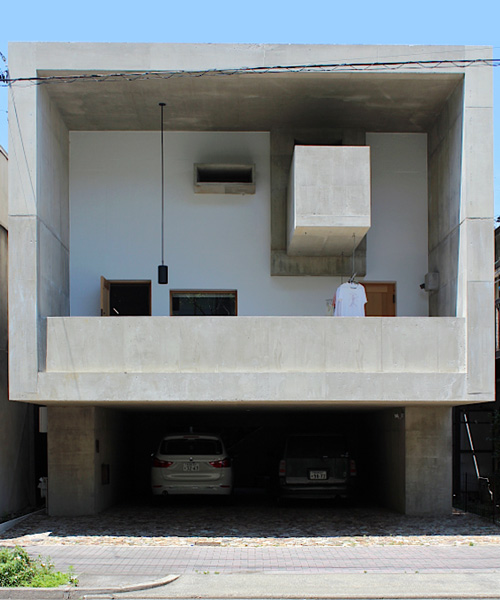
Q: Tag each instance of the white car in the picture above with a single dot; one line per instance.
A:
(191, 464)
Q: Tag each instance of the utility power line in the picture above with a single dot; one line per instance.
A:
(5, 78)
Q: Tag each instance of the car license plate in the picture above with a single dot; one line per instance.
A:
(190, 467)
(318, 475)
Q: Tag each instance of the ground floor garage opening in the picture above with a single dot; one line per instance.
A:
(99, 457)
(255, 441)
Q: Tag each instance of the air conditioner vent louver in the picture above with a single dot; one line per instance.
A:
(224, 179)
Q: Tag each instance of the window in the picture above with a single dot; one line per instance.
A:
(310, 446)
(125, 298)
(190, 446)
(203, 303)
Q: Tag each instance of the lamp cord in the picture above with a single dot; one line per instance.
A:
(162, 104)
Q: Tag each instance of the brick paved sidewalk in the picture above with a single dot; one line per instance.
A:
(151, 562)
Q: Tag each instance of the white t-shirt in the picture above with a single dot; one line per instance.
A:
(350, 300)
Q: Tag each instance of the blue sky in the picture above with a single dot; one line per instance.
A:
(256, 21)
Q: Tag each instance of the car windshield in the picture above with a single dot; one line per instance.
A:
(309, 446)
(190, 446)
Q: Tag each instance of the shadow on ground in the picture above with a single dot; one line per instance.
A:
(247, 520)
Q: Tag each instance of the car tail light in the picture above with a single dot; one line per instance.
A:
(163, 464)
(282, 471)
(352, 468)
(220, 464)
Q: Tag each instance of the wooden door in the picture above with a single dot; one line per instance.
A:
(381, 299)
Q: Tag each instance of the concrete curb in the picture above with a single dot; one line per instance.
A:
(8, 524)
(73, 593)
(376, 595)
(354, 586)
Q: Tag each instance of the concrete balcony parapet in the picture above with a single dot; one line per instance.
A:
(139, 361)
(255, 345)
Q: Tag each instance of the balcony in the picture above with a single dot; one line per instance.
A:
(165, 360)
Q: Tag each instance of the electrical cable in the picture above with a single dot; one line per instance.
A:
(162, 104)
(26, 161)
(5, 78)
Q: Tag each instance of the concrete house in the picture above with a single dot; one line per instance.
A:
(287, 170)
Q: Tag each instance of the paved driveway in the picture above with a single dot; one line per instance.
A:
(256, 523)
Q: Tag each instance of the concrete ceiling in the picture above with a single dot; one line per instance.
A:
(257, 102)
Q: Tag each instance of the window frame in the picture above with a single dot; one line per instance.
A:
(106, 293)
(207, 293)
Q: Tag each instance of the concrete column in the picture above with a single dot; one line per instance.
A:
(112, 466)
(71, 459)
(428, 460)
(389, 458)
(86, 452)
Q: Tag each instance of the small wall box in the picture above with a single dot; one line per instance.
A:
(224, 179)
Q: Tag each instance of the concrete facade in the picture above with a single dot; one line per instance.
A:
(17, 486)
(84, 366)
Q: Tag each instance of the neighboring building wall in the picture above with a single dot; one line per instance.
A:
(115, 232)
(4, 189)
(17, 489)
(497, 265)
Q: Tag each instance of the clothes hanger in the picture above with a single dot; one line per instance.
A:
(353, 272)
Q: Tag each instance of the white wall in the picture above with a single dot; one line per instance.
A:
(211, 241)
(215, 241)
(397, 240)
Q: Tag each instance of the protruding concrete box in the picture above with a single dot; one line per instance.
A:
(328, 199)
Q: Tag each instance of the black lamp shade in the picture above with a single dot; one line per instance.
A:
(162, 274)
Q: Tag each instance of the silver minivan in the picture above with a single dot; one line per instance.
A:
(191, 464)
(316, 466)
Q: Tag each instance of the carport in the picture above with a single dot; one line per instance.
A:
(117, 446)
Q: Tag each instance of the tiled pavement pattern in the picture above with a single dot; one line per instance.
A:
(152, 562)
(210, 526)
(132, 544)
